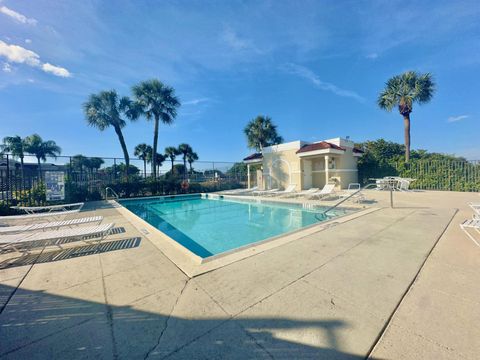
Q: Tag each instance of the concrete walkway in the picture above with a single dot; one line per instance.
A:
(341, 293)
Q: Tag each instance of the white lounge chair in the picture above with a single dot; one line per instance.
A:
(471, 224)
(79, 233)
(47, 216)
(303, 193)
(353, 191)
(290, 189)
(50, 208)
(328, 190)
(475, 208)
(49, 225)
(240, 191)
(264, 192)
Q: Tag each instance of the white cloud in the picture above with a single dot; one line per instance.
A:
(6, 68)
(18, 54)
(17, 16)
(56, 70)
(457, 118)
(195, 101)
(309, 75)
(28, 41)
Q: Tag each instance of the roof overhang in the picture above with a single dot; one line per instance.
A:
(321, 152)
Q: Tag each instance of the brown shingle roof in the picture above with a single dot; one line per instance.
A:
(319, 146)
(254, 157)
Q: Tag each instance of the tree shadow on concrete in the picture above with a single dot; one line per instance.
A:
(41, 325)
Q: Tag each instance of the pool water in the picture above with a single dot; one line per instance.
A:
(208, 226)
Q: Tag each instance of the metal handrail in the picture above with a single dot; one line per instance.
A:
(348, 197)
(112, 191)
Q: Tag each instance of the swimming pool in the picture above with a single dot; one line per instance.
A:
(210, 225)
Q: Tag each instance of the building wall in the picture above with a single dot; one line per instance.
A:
(281, 169)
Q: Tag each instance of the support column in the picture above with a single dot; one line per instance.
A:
(249, 182)
(327, 175)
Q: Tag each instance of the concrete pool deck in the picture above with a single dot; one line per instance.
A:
(396, 283)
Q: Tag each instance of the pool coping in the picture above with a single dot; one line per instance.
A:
(193, 265)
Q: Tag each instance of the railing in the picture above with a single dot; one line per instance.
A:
(353, 194)
(112, 191)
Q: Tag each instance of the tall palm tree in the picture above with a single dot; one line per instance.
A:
(15, 145)
(261, 132)
(402, 91)
(105, 109)
(35, 145)
(184, 150)
(143, 151)
(94, 163)
(191, 158)
(156, 101)
(171, 152)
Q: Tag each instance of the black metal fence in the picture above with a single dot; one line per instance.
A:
(87, 177)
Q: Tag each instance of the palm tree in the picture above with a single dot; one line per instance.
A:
(94, 163)
(15, 145)
(143, 151)
(156, 101)
(402, 91)
(104, 109)
(261, 132)
(191, 158)
(171, 152)
(35, 145)
(184, 150)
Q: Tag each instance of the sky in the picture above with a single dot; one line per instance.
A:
(314, 67)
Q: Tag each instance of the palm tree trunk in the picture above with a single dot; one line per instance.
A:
(172, 166)
(144, 168)
(406, 122)
(118, 131)
(184, 168)
(154, 150)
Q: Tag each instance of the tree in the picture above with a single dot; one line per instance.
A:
(15, 145)
(94, 163)
(261, 132)
(156, 101)
(142, 151)
(78, 163)
(35, 145)
(239, 169)
(171, 153)
(184, 150)
(402, 91)
(104, 109)
(191, 158)
(160, 158)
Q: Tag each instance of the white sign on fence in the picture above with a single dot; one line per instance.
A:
(55, 185)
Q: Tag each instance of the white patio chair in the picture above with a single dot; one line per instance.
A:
(50, 208)
(302, 193)
(46, 216)
(328, 190)
(290, 189)
(471, 224)
(264, 192)
(50, 225)
(78, 233)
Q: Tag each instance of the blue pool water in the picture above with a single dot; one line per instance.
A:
(210, 226)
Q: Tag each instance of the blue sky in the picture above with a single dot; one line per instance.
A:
(315, 67)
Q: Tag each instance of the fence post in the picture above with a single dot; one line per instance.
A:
(8, 180)
(114, 170)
